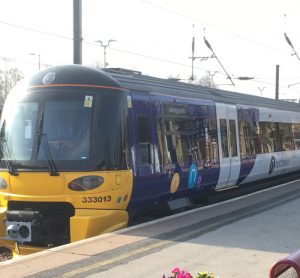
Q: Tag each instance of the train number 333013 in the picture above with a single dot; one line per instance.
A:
(94, 199)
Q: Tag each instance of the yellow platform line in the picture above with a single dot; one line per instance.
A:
(189, 234)
(150, 247)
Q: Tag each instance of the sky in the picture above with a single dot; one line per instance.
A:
(155, 37)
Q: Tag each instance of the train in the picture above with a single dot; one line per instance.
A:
(84, 150)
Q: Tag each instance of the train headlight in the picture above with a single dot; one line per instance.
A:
(3, 183)
(86, 183)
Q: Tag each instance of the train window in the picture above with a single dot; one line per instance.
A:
(186, 140)
(143, 139)
(163, 154)
(143, 129)
(18, 130)
(267, 131)
(233, 143)
(109, 134)
(278, 139)
(211, 140)
(256, 137)
(249, 138)
(285, 133)
(67, 126)
(224, 138)
(178, 137)
(296, 130)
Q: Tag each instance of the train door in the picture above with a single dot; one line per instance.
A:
(229, 151)
(145, 155)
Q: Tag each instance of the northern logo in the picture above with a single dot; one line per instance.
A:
(277, 164)
(272, 165)
(193, 176)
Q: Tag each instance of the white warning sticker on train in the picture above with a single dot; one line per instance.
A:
(88, 101)
(129, 102)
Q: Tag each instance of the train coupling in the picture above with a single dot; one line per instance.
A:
(21, 231)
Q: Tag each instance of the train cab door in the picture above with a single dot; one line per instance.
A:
(145, 155)
(229, 152)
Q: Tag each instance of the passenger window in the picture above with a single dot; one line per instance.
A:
(277, 137)
(285, 132)
(224, 138)
(267, 130)
(186, 140)
(233, 143)
(296, 129)
(249, 138)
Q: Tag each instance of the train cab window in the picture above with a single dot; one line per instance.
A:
(110, 138)
(67, 126)
(23, 121)
(233, 143)
(224, 138)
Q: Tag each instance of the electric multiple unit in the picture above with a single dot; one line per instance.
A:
(83, 150)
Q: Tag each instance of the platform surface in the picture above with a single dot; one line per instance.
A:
(236, 238)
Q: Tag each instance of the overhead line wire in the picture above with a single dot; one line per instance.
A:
(35, 30)
(9, 59)
(212, 26)
(131, 52)
(94, 44)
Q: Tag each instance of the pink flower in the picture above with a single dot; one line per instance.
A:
(184, 274)
(176, 270)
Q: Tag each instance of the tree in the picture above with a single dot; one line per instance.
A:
(97, 64)
(8, 79)
(206, 81)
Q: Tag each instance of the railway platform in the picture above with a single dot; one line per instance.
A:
(241, 237)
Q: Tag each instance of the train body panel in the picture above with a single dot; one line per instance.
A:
(43, 187)
(82, 150)
(158, 123)
(273, 164)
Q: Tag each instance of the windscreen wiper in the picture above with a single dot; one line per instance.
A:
(5, 151)
(42, 139)
(47, 151)
(6, 155)
(39, 132)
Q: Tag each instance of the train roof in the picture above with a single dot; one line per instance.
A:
(135, 80)
(73, 74)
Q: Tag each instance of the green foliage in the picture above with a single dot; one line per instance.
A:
(204, 274)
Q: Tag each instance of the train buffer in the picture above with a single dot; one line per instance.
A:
(287, 267)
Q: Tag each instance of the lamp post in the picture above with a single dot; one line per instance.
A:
(211, 74)
(261, 89)
(104, 48)
(39, 58)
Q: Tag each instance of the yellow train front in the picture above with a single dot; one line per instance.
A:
(64, 162)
